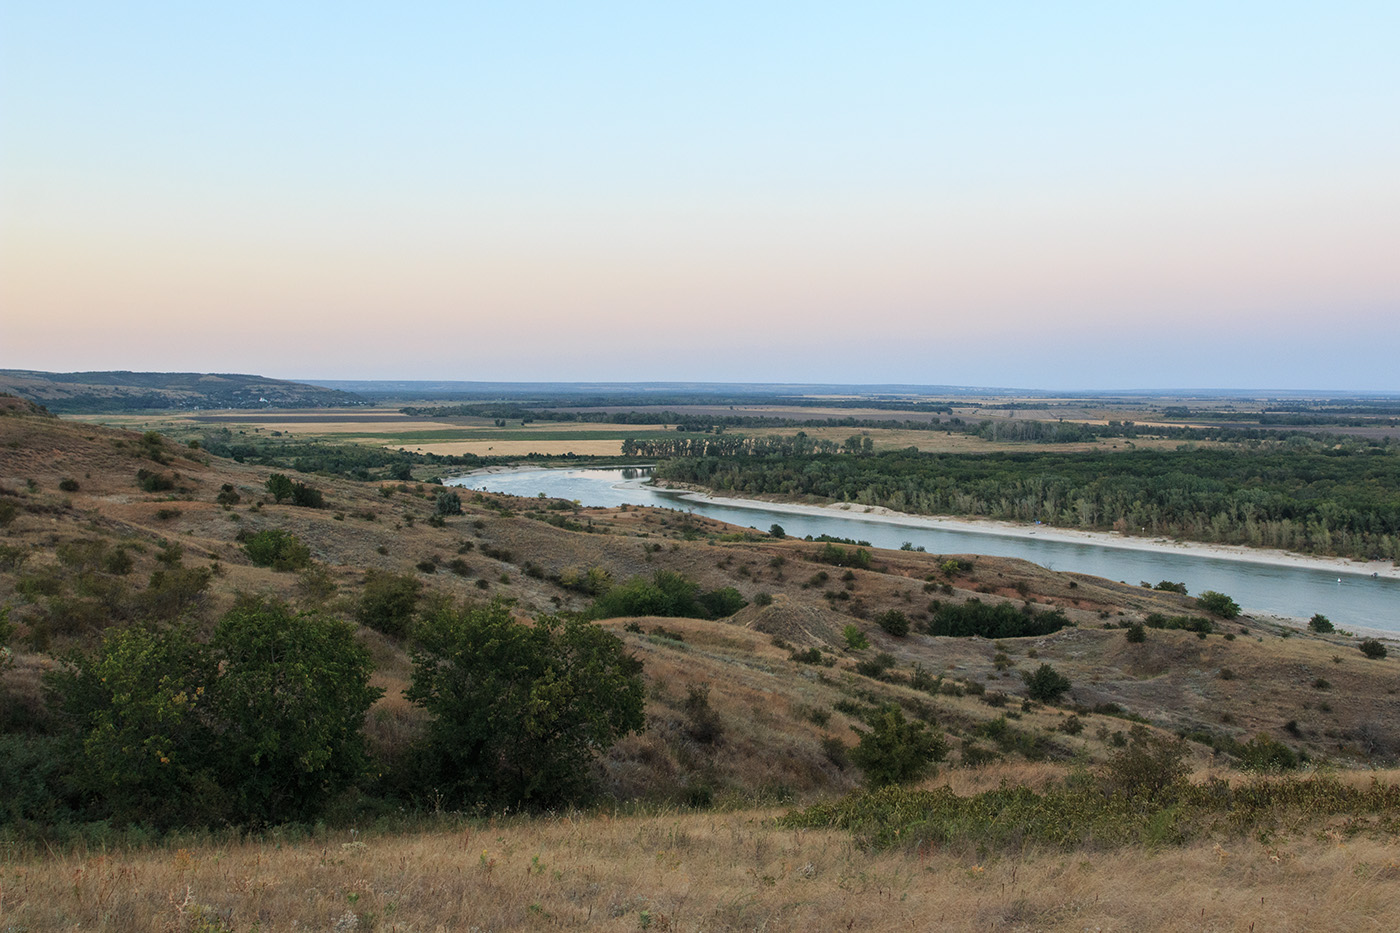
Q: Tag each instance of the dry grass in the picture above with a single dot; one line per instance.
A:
(697, 871)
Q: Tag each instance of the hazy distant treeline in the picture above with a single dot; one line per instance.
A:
(1021, 430)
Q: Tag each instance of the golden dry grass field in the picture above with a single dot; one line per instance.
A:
(685, 871)
(481, 437)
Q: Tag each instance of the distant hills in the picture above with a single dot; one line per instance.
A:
(106, 392)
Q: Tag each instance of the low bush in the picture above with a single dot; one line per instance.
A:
(278, 549)
(993, 620)
(1321, 624)
(388, 602)
(1218, 604)
(894, 622)
(896, 750)
(1046, 684)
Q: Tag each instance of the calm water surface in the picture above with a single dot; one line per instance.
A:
(1347, 599)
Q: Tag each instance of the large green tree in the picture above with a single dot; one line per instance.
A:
(141, 728)
(519, 710)
(262, 724)
(291, 703)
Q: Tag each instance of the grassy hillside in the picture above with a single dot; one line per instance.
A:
(746, 716)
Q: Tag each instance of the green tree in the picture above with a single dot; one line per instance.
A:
(1373, 648)
(1046, 685)
(142, 727)
(1321, 624)
(518, 711)
(777, 530)
(262, 724)
(278, 486)
(896, 750)
(291, 705)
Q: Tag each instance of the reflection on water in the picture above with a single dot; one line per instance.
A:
(1348, 599)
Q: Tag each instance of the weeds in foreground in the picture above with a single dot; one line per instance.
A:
(1088, 813)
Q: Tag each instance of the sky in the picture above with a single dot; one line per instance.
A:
(1058, 196)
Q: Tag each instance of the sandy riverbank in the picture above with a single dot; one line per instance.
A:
(1068, 535)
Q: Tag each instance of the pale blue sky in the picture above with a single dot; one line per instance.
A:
(1104, 195)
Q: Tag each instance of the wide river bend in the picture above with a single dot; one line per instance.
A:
(1350, 600)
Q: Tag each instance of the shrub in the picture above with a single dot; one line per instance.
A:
(777, 531)
(896, 750)
(278, 549)
(1265, 753)
(1180, 623)
(855, 638)
(998, 620)
(68, 485)
(666, 594)
(175, 591)
(1372, 648)
(1218, 604)
(894, 622)
(13, 556)
(877, 666)
(306, 497)
(278, 486)
(1321, 624)
(449, 503)
(1046, 684)
(839, 556)
(388, 601)
(722, 603)
(154, 482)
(1137, 634)
(1147, 765)
(519, 711)
(704, 725)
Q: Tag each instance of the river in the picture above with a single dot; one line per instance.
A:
(1350, 600)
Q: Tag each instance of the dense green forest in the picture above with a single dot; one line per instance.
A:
(1341, 500)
